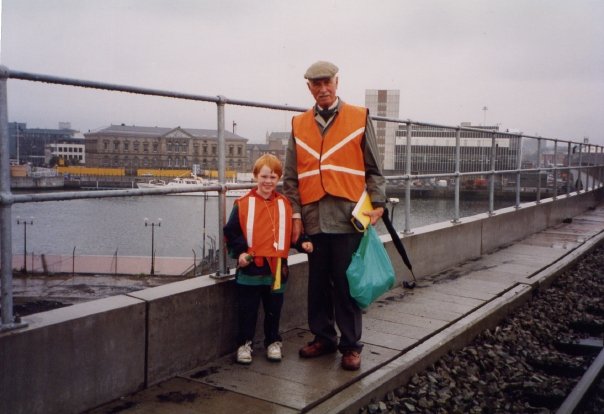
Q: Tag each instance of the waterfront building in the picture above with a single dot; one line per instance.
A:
(134, 147)
(385, 103)
(433, 149)
(275, 144)
(28, 145)
(66, 152)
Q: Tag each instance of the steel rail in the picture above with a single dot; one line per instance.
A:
(581, 391)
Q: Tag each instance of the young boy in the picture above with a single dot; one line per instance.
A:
(258, 235)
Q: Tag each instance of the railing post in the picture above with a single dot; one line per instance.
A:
(569, 172)
(518, 171)
(600, 169)
(538, 200)
(580, 180)
(6, 257)
(555, 173)
(222, 256)
(457, 176)
(408, 188)
(588, 169)
(492, 177)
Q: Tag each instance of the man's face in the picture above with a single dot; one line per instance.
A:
(324, 90)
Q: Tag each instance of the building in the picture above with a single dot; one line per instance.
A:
(28, 145)
(433, 149)
(66, 152)
(276, 144)
(384, 103)
(134, 147)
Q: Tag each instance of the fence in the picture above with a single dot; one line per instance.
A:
(592, 172)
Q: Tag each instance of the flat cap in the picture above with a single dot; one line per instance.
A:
(320, 70)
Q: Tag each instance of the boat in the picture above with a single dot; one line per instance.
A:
(187, 182)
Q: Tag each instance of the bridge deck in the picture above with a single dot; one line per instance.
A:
(404, 331)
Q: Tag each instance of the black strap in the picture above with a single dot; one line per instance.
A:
(397, 241)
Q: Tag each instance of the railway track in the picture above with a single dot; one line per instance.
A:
(537, 360)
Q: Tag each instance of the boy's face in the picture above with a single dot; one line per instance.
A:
(267, 181)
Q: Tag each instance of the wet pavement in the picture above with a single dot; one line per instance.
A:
(403, 332)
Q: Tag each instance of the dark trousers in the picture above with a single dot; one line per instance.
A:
(249, 298)
(329, 297)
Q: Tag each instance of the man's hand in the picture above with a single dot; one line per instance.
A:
(375, 214)
(297, 229)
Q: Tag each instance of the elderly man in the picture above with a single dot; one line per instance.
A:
(332, 158)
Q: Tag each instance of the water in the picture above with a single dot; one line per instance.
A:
(110, 225)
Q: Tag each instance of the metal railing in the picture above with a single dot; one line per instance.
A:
(7, 199)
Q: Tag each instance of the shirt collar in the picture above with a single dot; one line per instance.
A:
(335, 105)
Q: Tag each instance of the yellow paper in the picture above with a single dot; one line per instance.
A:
(277, 282)
(359, 220)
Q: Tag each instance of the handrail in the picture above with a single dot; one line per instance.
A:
(7, 199)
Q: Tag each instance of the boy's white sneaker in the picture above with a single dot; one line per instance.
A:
(244, 353)
(273, 352)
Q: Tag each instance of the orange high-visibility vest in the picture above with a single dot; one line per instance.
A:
(333, 163)
(266, 224)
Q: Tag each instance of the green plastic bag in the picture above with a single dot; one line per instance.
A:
(370, 273)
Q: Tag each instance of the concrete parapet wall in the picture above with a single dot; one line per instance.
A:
(71, 359)
(189, 324)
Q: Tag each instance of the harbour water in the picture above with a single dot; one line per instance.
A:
(115, 226)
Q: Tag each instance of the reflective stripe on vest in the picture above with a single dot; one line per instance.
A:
(334, 163)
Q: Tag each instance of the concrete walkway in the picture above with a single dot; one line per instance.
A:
(405, 331)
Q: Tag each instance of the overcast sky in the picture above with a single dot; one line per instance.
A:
(537, 65)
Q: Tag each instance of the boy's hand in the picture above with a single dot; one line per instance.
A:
(244, 259)
(307, 246)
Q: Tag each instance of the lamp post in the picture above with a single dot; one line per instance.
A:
(25, 223)
(152, 224)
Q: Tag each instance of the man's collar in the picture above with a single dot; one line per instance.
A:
(335, 106)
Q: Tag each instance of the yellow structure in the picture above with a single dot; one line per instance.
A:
(152, 172)
(75, 170)
(141, 172)
(19, 170)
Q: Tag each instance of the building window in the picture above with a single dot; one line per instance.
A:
(169, 146)
(126, 146)
(136, 146)
(155, 146)
(105, 145)
(145, 147)
(116, 145)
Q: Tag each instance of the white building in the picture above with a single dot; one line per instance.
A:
(71, 152)
(385, 103)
